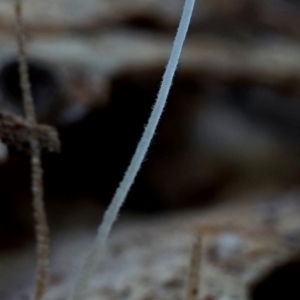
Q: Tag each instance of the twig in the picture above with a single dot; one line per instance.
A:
(42, 231)
(192, 284)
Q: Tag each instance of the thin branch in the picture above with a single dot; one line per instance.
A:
(111, 213)
(42, 230)
(192, 284)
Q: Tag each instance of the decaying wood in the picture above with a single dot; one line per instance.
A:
(149, 258)
(258, 60)
(69, 16)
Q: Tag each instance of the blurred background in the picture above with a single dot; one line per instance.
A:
(231, 125)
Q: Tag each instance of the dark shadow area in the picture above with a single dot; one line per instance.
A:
(43, 82)
(282, 283)
(104, 143)
(143, 22)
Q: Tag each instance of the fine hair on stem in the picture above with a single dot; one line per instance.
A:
(111, 214)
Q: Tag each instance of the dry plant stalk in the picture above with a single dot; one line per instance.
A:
(42, 230)
(192, 284)
(135, 164)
